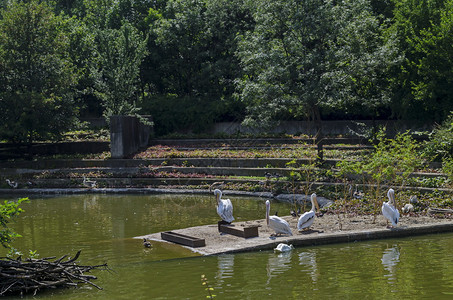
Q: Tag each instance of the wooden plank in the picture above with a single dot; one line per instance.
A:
(183, 239)
(245, 232)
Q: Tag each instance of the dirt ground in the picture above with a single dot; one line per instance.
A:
(326, 227)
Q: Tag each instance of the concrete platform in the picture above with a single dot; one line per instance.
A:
(218, 243)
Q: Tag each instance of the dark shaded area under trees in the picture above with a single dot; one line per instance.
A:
(191, 63)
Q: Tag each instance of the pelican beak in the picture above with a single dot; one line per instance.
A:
(316, 204)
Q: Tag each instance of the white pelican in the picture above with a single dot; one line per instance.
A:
(389, 209)
(224, 207)
(283, 248)
(276, 223)
(89, 183)
(306, 220)
(12, 184)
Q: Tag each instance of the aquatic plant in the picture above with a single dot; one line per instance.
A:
(209, 289)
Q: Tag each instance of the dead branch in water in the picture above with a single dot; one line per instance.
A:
(32, 275)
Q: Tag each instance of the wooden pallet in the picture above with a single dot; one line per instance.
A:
(245, 232)
(183, 239)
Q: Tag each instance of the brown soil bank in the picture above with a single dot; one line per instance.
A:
(325, 230)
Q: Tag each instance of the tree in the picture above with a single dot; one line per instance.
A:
(119, 55)
(304, 56)
(194, 64)
(37, 78)
(285, 59)
(424, 85)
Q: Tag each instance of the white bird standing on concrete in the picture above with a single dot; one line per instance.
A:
(12, 184)
(279, 225)
(389, 209)
(224, 207)
(283, 248)
(307, 219)
(89, 183)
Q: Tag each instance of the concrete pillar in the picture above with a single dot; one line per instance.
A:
(127, 135)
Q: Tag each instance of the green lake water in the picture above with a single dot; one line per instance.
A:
(103, 227)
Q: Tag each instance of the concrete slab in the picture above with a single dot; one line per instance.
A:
(219, 243)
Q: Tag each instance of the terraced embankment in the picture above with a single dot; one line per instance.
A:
(269, 165)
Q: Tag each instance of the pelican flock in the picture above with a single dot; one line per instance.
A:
(279, 225)
(224, 207)
(307, 219)
(389, 209)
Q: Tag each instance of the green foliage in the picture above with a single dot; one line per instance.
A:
(9, 210)
(440, 144)
(391, 163)
(447, 168)
(37, 78)
(119, 55)
(424, 85)
(305, 55)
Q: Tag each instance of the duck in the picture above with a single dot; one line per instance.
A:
(389, 209)
(224, 207)
(279, 225)
(12, 184)
(146, 244)
(295, 213)
(89, 183)
(307, 219)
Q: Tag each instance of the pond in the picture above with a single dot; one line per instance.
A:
(102, 226)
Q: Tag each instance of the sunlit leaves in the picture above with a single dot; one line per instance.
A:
(37, 78)
(119, 53)
(9, 210)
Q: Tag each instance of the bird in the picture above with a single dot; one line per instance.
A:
(282, 247)
(217, 184)
(413, 200)
(356, 194)
(295, 213)
(408, 208)
(279, 225)
(224, 207)
(389, 209)
(146, 244)
(277, 175)
(12, 184)
(306, 220)
(89, 183)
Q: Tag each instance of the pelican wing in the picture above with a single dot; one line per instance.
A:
(225, 210)
(390, 213)
(279, 225)
(306, 220)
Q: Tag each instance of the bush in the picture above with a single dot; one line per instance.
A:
(440, 144)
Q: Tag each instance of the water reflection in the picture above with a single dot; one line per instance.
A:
(225, 267)
(278, 264)
(308, 261)
(390, 259)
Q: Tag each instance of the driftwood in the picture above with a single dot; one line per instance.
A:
(32, 275)
(439, 210)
